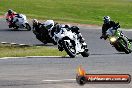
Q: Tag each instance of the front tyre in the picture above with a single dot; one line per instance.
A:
(124, 46)
(127, 51)
(69, 50)
(28, 27)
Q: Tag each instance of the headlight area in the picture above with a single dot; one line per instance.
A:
(113, 39)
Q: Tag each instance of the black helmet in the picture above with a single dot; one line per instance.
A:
(10, 11)
(106, 19)
(75, 29)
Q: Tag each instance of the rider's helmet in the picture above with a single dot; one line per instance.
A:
(10, 11)
(35, 21)
(106, 19)
(75, 29)
(49, 24)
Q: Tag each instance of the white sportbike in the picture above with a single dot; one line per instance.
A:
(21, 22)
(68, 41)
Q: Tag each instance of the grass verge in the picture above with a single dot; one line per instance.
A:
(78, 11)
(17, 51)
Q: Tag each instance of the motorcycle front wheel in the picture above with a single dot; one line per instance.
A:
(123, 45)
(70, 50)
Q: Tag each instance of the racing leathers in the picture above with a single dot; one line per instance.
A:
(36, 27)
(9, 18)
(106, 26)
(39, 31)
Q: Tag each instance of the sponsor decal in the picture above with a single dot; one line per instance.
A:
(83, 78)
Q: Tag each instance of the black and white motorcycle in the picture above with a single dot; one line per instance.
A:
(68, 41)
(20, 21)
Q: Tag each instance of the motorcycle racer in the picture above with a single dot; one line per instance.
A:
(110, 24)
(39, 31)
(54, 28)
(9, 17)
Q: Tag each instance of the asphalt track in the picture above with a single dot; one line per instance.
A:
(60, 72)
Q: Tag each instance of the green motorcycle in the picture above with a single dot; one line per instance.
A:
(118, 41)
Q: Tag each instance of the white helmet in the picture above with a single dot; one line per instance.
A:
(106, 19)
(35, 21)
(10, 11)
(49, 24)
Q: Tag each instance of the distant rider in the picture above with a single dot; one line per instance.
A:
(110, 24)
(9, 17)
(107, 24)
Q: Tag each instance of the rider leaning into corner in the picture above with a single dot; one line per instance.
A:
(39, 31)
(10, 15)
(108, 24)
(54, 28)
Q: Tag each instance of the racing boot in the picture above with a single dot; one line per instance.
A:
(60, 48)
(10, 26)
(55, 43)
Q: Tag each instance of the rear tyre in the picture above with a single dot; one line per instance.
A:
(28, 27)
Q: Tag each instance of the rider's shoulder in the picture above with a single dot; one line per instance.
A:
(112, 22)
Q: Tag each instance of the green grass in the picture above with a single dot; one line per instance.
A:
(15, 51)
(79, 11)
